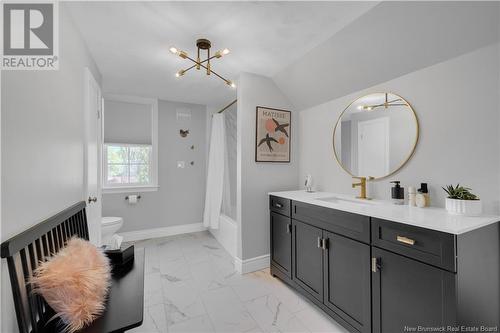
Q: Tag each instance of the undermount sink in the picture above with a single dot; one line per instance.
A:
(350, 201)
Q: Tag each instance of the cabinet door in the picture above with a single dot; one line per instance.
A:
(347, 280)
(408, 293)
(281, 243)
(308, 258)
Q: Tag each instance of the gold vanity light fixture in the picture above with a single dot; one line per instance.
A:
(202, 44)
(387, 103)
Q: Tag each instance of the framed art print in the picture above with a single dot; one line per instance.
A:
(273, 134)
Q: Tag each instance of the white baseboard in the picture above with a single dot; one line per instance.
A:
(129, 236)
(252, 264)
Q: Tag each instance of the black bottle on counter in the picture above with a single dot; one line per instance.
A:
(397, 193)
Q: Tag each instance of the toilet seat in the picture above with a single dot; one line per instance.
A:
(111, 220)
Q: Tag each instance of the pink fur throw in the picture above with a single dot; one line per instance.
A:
(75, 282)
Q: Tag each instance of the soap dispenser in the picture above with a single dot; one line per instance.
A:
(397, 193)
(309, 184)
(423, 199)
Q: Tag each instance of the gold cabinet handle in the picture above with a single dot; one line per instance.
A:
(405, 240)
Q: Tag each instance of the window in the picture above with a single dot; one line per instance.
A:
(130, 147)
(127, 164)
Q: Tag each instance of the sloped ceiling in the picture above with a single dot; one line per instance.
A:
(390, 40)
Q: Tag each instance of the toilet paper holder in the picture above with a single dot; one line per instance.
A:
(138, 197)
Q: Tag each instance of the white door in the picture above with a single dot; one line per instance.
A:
(373, 147)
(93, 140)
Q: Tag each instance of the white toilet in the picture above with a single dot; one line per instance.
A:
(110, 225)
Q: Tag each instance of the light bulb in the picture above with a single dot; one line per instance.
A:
(225, 51)
(180, 73)
(177, 74)
(360, 107)
(231, 84)
(174, 50)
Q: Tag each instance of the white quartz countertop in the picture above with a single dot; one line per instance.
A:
(430, 217)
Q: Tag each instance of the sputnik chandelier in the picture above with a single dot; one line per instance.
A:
(202, 44)
(387, 103)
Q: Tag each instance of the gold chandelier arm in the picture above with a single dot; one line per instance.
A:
(211, 71)
(196, 62)
(208, 59)
(219, 76)
(201, 62)
(185, 70)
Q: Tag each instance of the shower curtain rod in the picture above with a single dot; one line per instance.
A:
(227, 106)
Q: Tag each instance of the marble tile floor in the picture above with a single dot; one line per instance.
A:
(191, 286)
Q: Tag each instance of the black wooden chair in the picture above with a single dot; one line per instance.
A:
(125, 304)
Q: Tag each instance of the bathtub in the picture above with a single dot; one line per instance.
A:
(227, 234)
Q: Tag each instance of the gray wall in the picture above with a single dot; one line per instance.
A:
(457, 104)
(42, 143)
(255, 180)
(180, 197)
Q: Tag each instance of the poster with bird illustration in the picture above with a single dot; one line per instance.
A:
(272, 135)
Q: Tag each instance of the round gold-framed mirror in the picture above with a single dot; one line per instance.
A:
(375, 135)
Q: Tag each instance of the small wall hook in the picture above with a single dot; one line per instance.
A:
(183, 133)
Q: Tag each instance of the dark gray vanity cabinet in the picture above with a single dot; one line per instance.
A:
(328, 266)
(281, 236)
(347, 280)
(281, 243)
(308, 258)
(428, 278)
(374, 275)
(408, 293)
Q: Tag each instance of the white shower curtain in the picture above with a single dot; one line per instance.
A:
(215, 175)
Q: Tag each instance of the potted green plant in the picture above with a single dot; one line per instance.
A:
(461, 201)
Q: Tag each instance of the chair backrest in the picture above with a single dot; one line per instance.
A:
(26, 250)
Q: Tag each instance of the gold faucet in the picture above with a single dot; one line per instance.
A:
(362, 186)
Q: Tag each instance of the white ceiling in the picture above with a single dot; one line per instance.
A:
(130, 40)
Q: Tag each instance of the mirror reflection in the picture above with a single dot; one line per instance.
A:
(375, 135)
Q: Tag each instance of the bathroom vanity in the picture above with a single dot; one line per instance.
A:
(377, 267)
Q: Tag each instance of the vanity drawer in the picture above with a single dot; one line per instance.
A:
(343, 223)
(429, 246)
(279, 205)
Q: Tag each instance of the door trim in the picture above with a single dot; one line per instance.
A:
(88, 78)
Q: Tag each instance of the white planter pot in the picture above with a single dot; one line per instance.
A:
(464, 207)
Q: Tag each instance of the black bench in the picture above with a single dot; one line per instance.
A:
(125, 304)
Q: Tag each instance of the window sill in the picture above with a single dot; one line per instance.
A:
(130, 189)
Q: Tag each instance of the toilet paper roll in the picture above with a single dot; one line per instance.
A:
(132, 199)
